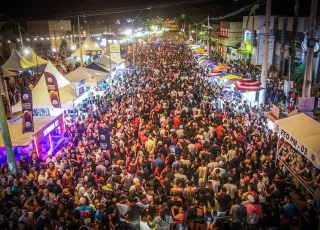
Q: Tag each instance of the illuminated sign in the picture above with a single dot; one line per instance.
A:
(50, 128)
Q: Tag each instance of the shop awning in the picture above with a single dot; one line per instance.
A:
(221, 67)
(216, 74)
(248, 84)
(246, 49)
(22, 139)
(303, 133)
(231, 77)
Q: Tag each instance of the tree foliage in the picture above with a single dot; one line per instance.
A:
(298, 74)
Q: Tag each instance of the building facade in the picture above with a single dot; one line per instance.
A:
(55, 30)
(229, 39)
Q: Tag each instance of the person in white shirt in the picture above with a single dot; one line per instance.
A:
(231, 188)
(215, 184)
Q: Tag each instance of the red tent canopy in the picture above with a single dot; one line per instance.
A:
(248, 84)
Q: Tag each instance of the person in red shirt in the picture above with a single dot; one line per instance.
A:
(176, 122)
(220, 131)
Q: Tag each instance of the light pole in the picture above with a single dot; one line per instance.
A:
(133, 54)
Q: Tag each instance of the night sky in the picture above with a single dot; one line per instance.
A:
(41, 9)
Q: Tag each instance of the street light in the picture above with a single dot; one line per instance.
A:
(133, 54)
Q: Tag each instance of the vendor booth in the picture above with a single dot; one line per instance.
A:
(17, 63)
(108, 62)
(89, 76)
(41, 98)
(89, 51)
(249, 88)
(31, 57)
(299, 151)
(47, 136)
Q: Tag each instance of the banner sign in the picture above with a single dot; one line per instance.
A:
(115, 56)
(80, 88)
(302, 149)
(114, 48)
(104, 138)
(27, 114)
(93, 52)
(306, 105)
(53, 90)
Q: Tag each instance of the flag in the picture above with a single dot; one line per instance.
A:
(53, 90)
(27, 113)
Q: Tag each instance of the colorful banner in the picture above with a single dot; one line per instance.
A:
(114, 48)
(104, 138)
(53, 89)
(27, 114)
(93, 52)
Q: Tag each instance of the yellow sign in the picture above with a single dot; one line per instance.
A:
(114, 48)
(200, 51)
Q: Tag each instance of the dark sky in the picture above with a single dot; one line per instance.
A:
(39, 9)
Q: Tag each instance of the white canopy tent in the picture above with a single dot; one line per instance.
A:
(105, 61)
(7, 73)
(31, 57)
(303, 133)
(16, 62)
(91, 77)
(40, 96)
(88, 44)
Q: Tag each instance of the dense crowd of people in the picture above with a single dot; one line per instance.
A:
(175, 160)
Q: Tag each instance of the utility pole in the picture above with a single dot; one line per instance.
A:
(21, 41)
(196, 33)
(73, 37)
(264, 71)
(79, 30)
(283, 43)
(208, 33)
(7, 139)
(307, 80)
(189, 30)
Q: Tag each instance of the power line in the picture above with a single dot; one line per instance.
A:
(119, 10)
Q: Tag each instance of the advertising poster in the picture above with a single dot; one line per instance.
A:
(104, 137)
(93, 52)
(53, 89)
(306, 105)
(114, 48)
(27, 115)
(115, 52)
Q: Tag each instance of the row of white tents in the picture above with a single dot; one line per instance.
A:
(93, 74)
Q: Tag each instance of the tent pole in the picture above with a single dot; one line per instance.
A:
(79, 30)
(7, 140)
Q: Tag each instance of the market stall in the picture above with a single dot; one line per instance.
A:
(40, 95)
(249, 88)
(299, 151)
(17, 63)
(47, 136)
(90, 77)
